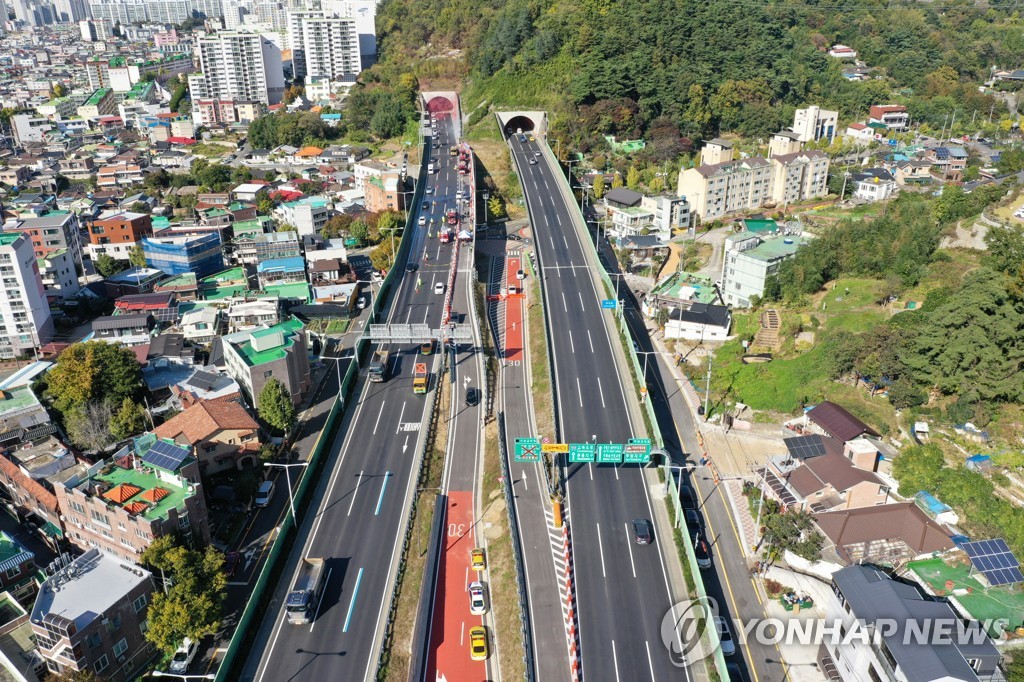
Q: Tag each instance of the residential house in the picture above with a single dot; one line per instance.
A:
(883, 534)
(948, 163)
(21, 415)
(699, 322)
(279, 352)
(247, 191)
(116, 233)
(887, 612)
(223, 435)
(823, 483)
(246, 315)
(750, 259)
(146, 490)
(276, 245)
(121, 174)
(281, 271)
(842, 52)
(30, 467)
(892, 116)
(307, 215)
(185, 286)
(134, 280)
(913, 172)
(91, 617)
(205, 386)
(860, 133)
(59, 275)
(231, 283)
(128, 330)
(834, 420)
(163, 306)
(815, 123)
(53, 231)
(873, 184)
(201, 325)
(18, 564)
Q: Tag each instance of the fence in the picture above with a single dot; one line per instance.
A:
(245, 633)
(421, 631)
(656, 437)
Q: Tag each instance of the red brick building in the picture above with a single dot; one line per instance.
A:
(116, 232)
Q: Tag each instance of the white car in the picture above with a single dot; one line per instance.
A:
(725, 636)
(184, 656)
(423, 220)
(477, 598)
(439, 288)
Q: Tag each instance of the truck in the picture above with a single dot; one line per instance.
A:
(303, 599)
(419, 377)
(379, 366)
(444, 234)
(453, 151)
(452, 217)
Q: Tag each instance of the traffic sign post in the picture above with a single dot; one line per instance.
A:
(608, 304)
(609, 453)
(554, 448)
(527, 450)
(582, 452)
(637, 451)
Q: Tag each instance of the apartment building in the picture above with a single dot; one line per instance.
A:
(198, 254)
(892, 116)
(96, 30)
(49, 233)
(749, 261)
(865, 595)
(308, 215)
(115, 233)
(297, 37)
(815, 123)
(60, 275)
(100, 103)
(148, 489)
(29, 468)
(90, 616)
(799, 176)
(331, 47)
(239, 66)
(211, 112)
(276, 245)
(24, 310)
(384, 192)
(279, 352)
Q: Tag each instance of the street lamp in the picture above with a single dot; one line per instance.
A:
(647, 354)
(160, 673)
(287, 474)
(487, 197)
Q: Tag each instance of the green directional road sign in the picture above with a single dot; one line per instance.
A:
(582, 452)
(609, 453)
(527, 449)
(637, 451)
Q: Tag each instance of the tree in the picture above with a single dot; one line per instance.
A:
(275, 406)
(60, 90)
(633, 178)
(382, 257)
(617, 180)
(598, 186)
(495, 207)
(89, 426)
(129, 420)
(917, 468)
(137, 256)
(360, 231)
(106, 266)
(192, 605)
(286, 227)
(92, 371)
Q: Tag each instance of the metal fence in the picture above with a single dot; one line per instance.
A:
(517, 552)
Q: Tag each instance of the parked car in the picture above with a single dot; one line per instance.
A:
(686, 498)
(477, 598)
(361, 303)
(703, 553)
(693, 523)
(264, 494)
(642, 534)
(478, 649)
(725, 636)
(477, 559)
(184, 656)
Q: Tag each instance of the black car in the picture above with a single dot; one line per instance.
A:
(425, 206)
(686, 497)
(735, 673)
(472, 396)
(410, 267)
(693, 523)
(702, 553)
(642, 534)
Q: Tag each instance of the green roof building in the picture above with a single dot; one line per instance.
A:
(278, 352)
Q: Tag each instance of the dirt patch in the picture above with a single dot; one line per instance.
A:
(970, 236)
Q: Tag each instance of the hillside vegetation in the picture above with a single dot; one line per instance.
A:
(666, 69)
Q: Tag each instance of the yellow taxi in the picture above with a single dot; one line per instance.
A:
(478, 649)
(477, 559)
(427, 348)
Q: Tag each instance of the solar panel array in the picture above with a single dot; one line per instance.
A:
(805, 447)
(995, 560)
(165, 455)
(941, 153)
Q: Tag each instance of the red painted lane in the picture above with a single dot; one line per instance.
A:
(449, 641)
(513, 313)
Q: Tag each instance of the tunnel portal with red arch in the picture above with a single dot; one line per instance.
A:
(439, 104)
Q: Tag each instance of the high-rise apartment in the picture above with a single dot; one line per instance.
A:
(25, 321)
(240, 66)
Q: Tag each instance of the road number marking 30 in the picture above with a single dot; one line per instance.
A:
(456, 530)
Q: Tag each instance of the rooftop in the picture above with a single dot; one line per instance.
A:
(12, 553)
(687, 286)
(16, 399)
(292, 264)
(776, 248)
(142, 491)
(265, 345)
(97, 97)
(87, 588)
(298, 290)
(838, 422)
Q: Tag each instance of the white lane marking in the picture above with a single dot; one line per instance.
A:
(327, 579)
(551, 239)
(571, 344)
(590, 468)
(399, 428)
(600, 549)
(615, 661)
(465, 584)
(601, 391)
(565, 241)
(579, 391)
(382, 403)
(462, 634)
(564, 306)
(629, 543)
(591, 341)
(581, 299)
(383, 487)
(650, 663)
(355, 491)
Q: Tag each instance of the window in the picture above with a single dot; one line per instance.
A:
(102, 663)
(120, 647)
(13, 572)
(268, 374)
(139, 603)
(100, 518)
(144, 626)
(874, 676)
(94, 640)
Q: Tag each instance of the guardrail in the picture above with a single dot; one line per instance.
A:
(691, 559)
(245, 632)
(517, 552)
(420, 631)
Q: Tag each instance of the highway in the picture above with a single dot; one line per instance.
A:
(363, 498)
(451, 620)
(623, 589)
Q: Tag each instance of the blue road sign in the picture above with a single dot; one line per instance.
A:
(608, 303)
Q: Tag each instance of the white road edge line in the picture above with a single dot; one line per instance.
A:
(600, 549)
(355, 491)
(629, 544)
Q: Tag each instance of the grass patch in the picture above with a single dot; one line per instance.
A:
(211, 149)
(501, 564)
(856, 213)
(397, 656)
(983, 604)
(1006, 212)
(537, 347)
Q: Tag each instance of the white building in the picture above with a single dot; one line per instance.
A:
(308, 215)
(874, 184)
(331, 47)
(242, 66)
(24, 310)
(815, 123)
(749, 261)
(201, 325)
(60, 278)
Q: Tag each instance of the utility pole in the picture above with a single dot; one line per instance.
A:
(707, 391)
(991, 111)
